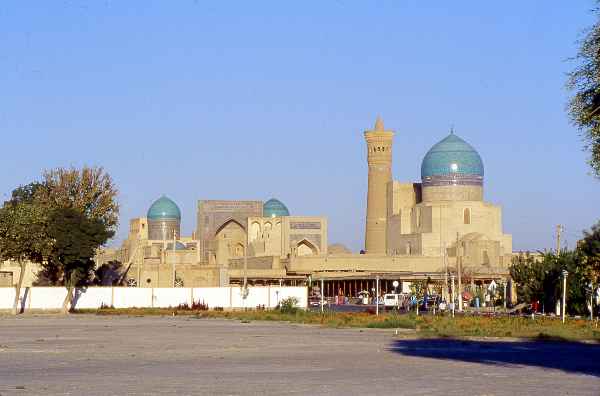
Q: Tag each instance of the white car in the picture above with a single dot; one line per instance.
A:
(392, 300)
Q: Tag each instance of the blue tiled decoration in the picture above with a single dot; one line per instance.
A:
(164, 208)
(452, 161)
(275, 208)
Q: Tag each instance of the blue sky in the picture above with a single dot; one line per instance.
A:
(252, 100)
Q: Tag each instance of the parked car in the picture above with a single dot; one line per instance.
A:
(315, 301)
(393, 300)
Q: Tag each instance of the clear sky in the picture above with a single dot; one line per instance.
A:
(253, 99)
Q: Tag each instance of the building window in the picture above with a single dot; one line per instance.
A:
(467, 216)
(408, 248)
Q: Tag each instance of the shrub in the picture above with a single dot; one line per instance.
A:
(288, 305)
(199, 306)
(196, 306)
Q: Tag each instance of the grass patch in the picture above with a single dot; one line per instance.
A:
(395, 321)
(541, 328)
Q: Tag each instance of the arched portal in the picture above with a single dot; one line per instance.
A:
(306, 248)
(238, 250)
(254, 230)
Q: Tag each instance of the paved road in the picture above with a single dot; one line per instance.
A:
(96, 355)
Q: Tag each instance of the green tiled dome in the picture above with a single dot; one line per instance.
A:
(452, 161)
(164, 208)
(275, 208)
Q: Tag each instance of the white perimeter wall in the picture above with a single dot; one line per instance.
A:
(41, 298)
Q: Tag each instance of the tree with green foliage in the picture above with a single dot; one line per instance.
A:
(540, 279)
(584, 80)
(23, 236)
(60, 223)
(110, 274)
(91, 191)
(589, 247)
(76, 238)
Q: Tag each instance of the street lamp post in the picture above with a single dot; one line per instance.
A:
(376, 295)
(505, 284)
(591, 290)
(173, 258)
(565, 273)
(452, 292)
(245, 290)
(163, 227)
(322, 293)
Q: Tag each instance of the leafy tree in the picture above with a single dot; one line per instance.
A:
(109, 274)
(89, 190)
(23, 236)
(529, 273)
(60, 223)
(76, 238)
(589, 247)
(540, 278)
(584, 80)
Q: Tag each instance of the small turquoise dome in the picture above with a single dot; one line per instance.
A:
(275, 208)
(164, 208)
(452, 161)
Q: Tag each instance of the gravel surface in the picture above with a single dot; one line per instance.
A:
(99, 355)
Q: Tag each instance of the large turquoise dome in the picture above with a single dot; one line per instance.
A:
(275, 208)
(164, 208)
(452, 161)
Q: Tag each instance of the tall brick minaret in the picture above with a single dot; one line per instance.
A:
(379, 145)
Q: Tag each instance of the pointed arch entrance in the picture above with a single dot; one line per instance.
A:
(306, 248)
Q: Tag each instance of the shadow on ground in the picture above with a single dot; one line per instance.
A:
(567, 356)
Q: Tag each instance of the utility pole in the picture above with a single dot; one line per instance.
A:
(377, 295)
(559, 230)
(245, 267)
(322, 294)
(452, 306)
(591, 287)
(173, 258)
(564, 296)
(445, 252)
(459, 270)
(505, 294)
(163, 255)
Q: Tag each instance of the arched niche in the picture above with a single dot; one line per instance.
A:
(306, 248)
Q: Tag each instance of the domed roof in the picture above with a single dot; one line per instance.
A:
(275, 208)
(452, 161)
(164, 208)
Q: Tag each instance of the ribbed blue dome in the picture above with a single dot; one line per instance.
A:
(164, 208)
(275, 208)
(452, 159)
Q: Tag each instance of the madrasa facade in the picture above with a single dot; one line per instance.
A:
(430, 229)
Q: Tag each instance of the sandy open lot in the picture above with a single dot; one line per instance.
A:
(96, 355)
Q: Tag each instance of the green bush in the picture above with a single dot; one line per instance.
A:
(288, 305)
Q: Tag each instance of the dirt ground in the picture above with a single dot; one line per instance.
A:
(99, 355)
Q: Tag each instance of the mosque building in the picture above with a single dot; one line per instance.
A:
(413, 230)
